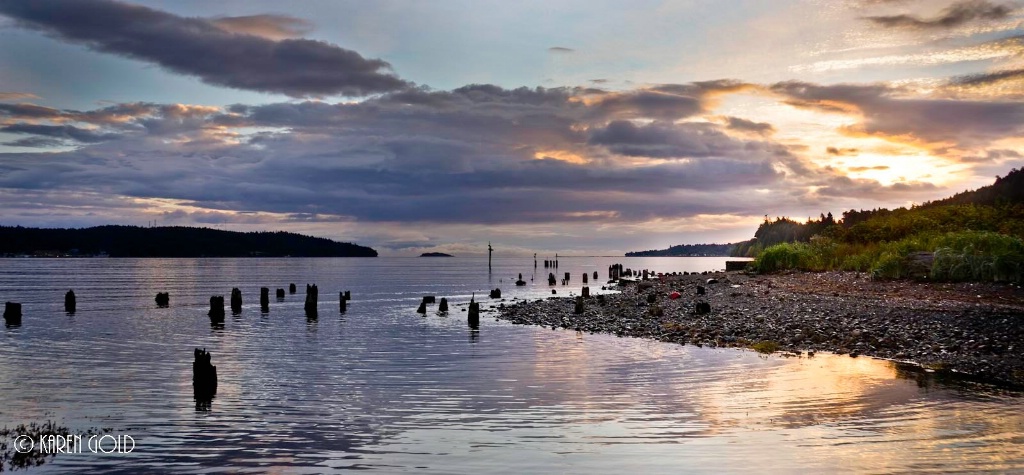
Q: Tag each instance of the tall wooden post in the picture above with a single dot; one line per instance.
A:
(490, 250)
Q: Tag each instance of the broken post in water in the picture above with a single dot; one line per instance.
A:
(264, 299)
(311, 297)
(236, 301)
(204, 376)
(216, 309)
(595, 276)
(280, 294)
(579, 306)
(585, 277)
(443, 306)
(520, 282)
(69, 301)
(12, 313)
(423, 306)
(291, 288)
(495, 294)
(490, 250)
(342, 307)
(163, 299)
(474, 313)
(551, 278)
(586, 292)
(348, 295)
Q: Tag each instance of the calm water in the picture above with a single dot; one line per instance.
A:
(384, 388)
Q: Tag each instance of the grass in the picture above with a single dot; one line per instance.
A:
(959, 256)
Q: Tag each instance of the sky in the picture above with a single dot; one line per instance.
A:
(577, 127)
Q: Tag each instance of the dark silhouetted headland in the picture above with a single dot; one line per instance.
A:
(134, 241)
(435, 254)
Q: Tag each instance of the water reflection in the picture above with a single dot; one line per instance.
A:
(380, 387)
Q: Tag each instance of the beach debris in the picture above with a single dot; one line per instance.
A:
(701, 308)
(712, 281)
(700, 290)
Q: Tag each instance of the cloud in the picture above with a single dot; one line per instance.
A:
(16, 96)
(275, 27)
(955, 15)
(561, 49)
(59, 132)
(661, 140)
(986, 79)
(841, 152)
(199, 47)
(744, 125)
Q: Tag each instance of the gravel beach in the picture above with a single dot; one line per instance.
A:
(971, 328)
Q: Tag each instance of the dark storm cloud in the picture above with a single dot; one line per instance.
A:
(955, 15)
(665, 140)
(60, 132)
(198, 47)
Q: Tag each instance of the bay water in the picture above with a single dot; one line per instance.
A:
(382, 387)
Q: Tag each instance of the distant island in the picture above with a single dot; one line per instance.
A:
(688, 250)
(435, 254)
(168, 241)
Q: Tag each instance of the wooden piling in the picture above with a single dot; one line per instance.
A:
(69, 301)
(280, 294)
(311, 300)
(586, 292)
(163, 299)
(264, 299)
(12, 313)
(474, 313)
(495, 294)
(551, 278)
(595, 276)
(216, 308)
(422, 308)
(204, 376)
(579, 306)
(342, 302)
(236, 301)
(585, 277)
(348, 295)
(429, 299)
(291, 288)
(443, 306)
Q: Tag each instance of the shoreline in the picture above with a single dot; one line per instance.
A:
(975, 329)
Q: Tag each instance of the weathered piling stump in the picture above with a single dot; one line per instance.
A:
(204, 376)
(422, 308)
(163, 299)
(579, 306)
(702, 308)
(12, 313)
(520, 282)
(495, 294)
(264, 299)
(311, 300)
(429, 299)
(236, 301)
(586, 292)
(700, 290)
(567, 277)
(348, 295)
(595, 276)
(342, 303)
(280, 294)
(291, 288)
(474, 314)
(551, 278)
(584, 277)
(645, 275)
(443, 306)
(216, 308)
(69, 301)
